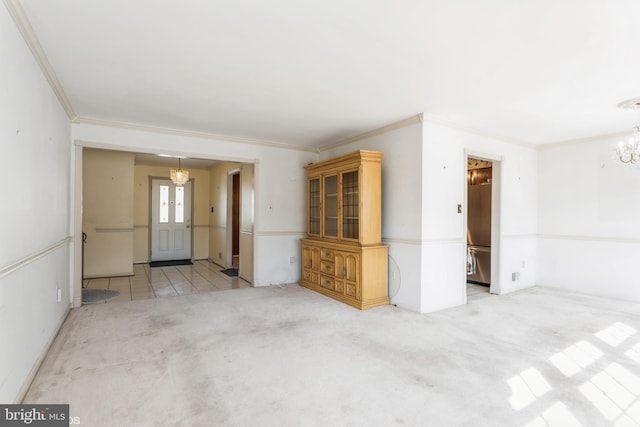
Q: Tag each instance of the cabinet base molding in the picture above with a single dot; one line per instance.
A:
(362, 305)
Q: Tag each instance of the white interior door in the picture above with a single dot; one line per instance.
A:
(170, 220)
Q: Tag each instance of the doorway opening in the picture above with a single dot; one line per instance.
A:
(234, 202)
(235, 221)
(479, 223)
(130, 246)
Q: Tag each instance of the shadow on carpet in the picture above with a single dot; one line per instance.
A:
(94, 296)
(170, 263)
(231, 272)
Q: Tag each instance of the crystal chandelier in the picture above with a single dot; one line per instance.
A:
(179, 176)
(629, 151)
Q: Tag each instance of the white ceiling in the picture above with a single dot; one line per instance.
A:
(313, 72)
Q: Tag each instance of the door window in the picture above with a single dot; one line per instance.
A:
(164, 204)
(179, 205)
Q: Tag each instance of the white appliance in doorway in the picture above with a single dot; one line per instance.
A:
(170, 233)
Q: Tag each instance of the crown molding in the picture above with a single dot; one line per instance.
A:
(31, 39)
(435, 119)
(597, 138)
(418, 118)
(431, 118)
(190, 133)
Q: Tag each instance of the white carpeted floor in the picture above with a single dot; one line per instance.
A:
(287, 357)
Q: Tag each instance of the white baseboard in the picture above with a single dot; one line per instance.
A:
(36, 366)
(516, 288)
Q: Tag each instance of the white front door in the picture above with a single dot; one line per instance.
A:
(170, 220)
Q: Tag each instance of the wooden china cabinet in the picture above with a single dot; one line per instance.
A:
(343, 256)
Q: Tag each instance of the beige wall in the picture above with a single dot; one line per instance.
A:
(218, 218)
(218, 243)
(246, 222)
(116, 212)
(200, 184)
(107, 216)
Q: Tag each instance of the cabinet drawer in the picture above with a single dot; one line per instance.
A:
(326, 254)
(327, 267)
(327, 282)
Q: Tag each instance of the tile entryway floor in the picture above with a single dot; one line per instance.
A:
(158, 282)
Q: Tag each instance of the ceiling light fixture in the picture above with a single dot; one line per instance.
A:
(629, 151)
(179, 176)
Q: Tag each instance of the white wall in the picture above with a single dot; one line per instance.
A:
(424, 179)
(589, 220)
(401, 202)
(34, 213)
(444, 230)
(279, 186)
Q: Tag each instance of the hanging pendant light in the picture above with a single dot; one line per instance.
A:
(629, 151)
(179, 176)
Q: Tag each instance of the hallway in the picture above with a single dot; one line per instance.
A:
(158, 282)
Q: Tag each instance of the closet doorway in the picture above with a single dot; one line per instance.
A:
(482, 225)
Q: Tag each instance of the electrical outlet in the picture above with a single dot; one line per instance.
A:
(515, 276)
(522, 263)
(219, 255)
(292, 260)
(58, 294)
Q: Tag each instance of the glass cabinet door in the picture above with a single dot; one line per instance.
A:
(314, 206)
(350, 208)
(331, 206)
